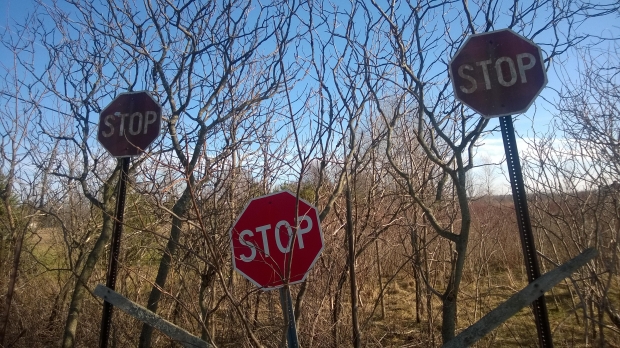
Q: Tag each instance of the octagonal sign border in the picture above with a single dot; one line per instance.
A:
(495, 97)
(139, 145)
(311, 212)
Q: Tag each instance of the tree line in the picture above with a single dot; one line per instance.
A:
(348, 106)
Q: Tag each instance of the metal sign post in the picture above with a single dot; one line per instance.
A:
(289, 317)
(106, 319)
(127, 126)
(274, 246)
(539, 306)
(498, 74)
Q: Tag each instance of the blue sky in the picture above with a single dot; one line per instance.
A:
(11, 11)
(491, 149)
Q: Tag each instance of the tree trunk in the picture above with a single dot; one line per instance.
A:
(448, 315)
(378, 261)
(416, 247)
(450, 296)
(205, 300)
(180, 209)
(6, 194)
(336, 307)
(17, 252)
(3, 247)
(417, 269)
(352, 278)
(80, 290)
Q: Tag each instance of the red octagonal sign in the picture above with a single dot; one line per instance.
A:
(129, 124)
(272, 245)
(498, 73)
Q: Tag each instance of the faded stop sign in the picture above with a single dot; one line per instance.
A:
(129, 124)
(498, 73)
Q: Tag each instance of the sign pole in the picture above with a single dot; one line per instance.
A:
(127, 126)
(539, 305)
(498, 74)
(289, 316)
(106, 319)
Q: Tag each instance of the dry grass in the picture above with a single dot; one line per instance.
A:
(483, 288)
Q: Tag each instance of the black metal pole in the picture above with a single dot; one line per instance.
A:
(106, 318)
(539, 306)
(289, 317)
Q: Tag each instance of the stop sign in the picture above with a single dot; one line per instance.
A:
(272, 245)
(498, 73)
(129, 124)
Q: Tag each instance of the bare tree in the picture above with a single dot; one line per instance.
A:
(407, 49)
(346, 104)
(573, 171)
(17, 194)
